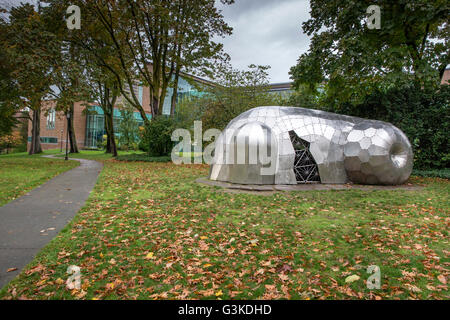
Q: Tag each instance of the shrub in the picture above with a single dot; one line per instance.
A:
(128, 129)
(439, 173)
(422, 114)
(21, 147)
(156, 137)
(7, 142)
(142, 157)
(143, 145)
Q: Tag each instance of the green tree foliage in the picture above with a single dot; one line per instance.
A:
(30, 48)
(306, 97)
(412, 45)
(422, 113)
(80, 72)
(392, 73)
(234, 92)
(151, 32)
(9, 96)
(128, 128)
(156, 138)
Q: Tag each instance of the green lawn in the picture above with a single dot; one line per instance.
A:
(19, 173)
(148, 231)
(98, 155)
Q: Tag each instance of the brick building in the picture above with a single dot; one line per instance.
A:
(89, 124)
(89, 120)
(446, 76)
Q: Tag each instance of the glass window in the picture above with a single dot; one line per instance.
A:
(46, 139)
(95, 129)
(95, 125)
(51, 119)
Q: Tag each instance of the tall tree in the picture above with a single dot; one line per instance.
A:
(147, 37)
(105, 91)
(412, 44)
(30, 48)
(194, 52)
(69, 86)
(68, 69)
(89, 66)
(9, 96)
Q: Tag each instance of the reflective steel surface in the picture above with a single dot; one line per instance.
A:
(273, 145)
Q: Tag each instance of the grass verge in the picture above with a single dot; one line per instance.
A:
(19, 173)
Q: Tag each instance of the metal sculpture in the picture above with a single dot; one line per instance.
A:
(290, 145)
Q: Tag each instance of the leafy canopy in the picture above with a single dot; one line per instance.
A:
(411, 46)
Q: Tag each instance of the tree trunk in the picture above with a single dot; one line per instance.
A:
(111, 141)
(72, 137)
(155, 106)
(35, 146)
(108, 143)
(173, 103)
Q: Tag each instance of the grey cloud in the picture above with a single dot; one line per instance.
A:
(246, 6)
(266, 32)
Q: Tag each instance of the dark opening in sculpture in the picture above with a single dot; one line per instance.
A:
(305, 168)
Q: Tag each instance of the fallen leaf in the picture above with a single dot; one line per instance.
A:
(110, 286)
(81, 294)
(442, 279)
(11, 269)
(270, 287)
(85, 285)
(207, 293)
(283, 277)
(40, 283)
(412, 288)
(352, 278)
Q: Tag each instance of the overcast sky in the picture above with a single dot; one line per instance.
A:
(266, 32)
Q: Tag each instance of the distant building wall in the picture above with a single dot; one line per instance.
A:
(284, 89)
(54, 131)
(446, 77)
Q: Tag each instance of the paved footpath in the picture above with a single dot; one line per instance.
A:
(28, 223)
